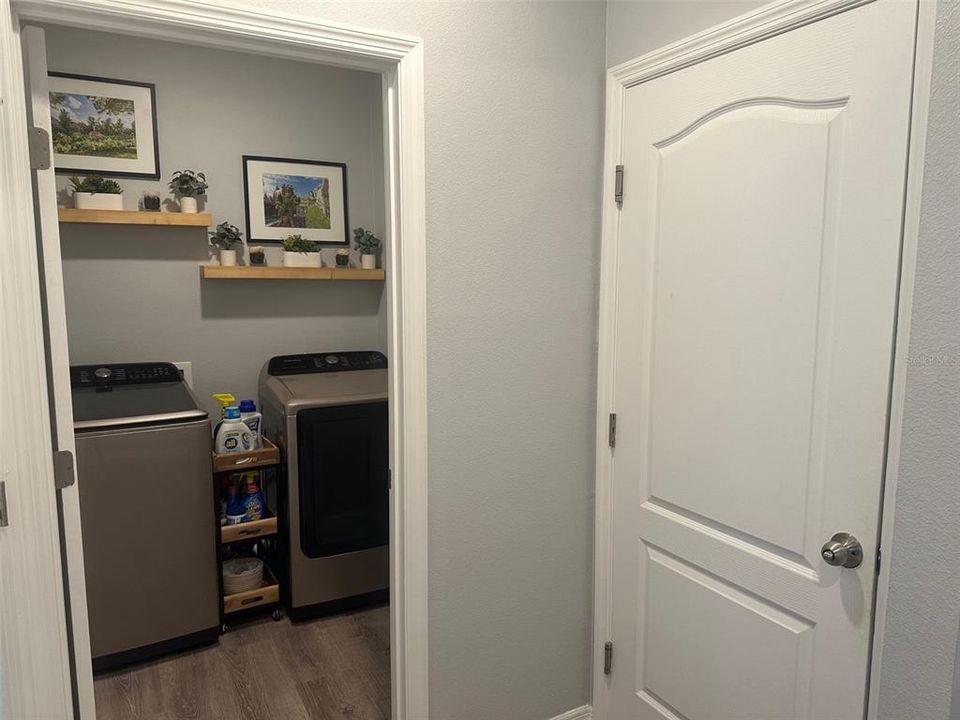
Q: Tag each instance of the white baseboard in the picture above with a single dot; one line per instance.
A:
(584, 712)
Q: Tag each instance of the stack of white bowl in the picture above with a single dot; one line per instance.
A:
(242, 574)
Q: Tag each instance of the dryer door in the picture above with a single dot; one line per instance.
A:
(342, 458)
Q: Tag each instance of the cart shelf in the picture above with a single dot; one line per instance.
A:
(249, 530)
(266, 594)
(265, 456)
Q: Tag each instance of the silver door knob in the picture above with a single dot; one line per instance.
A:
(843, 550)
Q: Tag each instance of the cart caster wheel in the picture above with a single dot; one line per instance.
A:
(224, 629)
(277, 614)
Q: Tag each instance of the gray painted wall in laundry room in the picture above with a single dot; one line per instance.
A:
(134, 293)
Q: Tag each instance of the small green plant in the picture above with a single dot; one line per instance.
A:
(298, 243)
(365, 241)
(187, 183)
(226, 236)
(95, 184)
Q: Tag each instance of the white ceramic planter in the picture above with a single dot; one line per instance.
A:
(301, 259)
(188, 205)
(98, 201)
(368, 262)
(228, 258)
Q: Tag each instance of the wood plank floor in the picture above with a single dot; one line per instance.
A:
(333, 668)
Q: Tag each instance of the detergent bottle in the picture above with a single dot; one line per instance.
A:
(233, 434)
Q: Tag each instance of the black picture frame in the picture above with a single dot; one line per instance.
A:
(254, 233)
(154, 174)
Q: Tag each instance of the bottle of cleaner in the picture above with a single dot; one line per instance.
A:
(253, 498)
(225, 400)
(253, 419)
(233, 435)
(235, 509)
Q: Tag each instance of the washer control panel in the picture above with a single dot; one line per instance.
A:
(126, 374)
(327, 362)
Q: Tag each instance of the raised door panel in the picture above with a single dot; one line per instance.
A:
(743, 248)
(702, 637)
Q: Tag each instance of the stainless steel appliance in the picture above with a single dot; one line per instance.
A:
(147, 512)
(328, 413)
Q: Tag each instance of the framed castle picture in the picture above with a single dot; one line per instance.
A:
(103, 127)
(286, 197)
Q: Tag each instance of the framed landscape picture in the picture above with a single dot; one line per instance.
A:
(287, 197)
(104, 127)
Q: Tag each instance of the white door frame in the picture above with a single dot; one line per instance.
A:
(773, 19)
(30, 547)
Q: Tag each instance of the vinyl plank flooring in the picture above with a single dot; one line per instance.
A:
(332, 668)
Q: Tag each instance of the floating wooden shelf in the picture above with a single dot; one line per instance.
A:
(267, 593)
(134, 217)
(265, 456)
(246, 272)
(248, 530)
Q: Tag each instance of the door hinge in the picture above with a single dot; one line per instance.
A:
(607, 657)
(4, 517)
(39, 143)
(876, 567)
(63, 476)
(612, 430)
(618, 186)
(389, 478)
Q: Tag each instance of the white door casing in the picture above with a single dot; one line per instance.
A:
(34, 659)
(58, 359)
(755, 298)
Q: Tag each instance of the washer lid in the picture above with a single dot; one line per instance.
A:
(130, 398)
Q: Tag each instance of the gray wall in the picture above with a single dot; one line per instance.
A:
(513, 132)
(635, 27)
(920, 645)
(134, 293)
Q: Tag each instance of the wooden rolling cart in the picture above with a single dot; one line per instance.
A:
(254, 538)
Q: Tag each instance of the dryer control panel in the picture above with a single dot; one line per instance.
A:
(327, 362)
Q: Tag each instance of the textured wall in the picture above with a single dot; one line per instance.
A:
(513, 132)
(134, 294)
(919, 647)
(635, 27)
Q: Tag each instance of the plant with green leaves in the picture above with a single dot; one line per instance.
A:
(187, 183)
(226, 236)
(95, 184)
(365, 241)
(298, 243)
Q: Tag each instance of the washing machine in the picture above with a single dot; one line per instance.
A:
(147, 512)
(328, 414)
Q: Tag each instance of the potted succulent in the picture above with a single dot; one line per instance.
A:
(300, 252)
(151, 202)
(343, 257)
(258, 255)
(368, 244)
(188, 186)
(95, 193)
(226, 237)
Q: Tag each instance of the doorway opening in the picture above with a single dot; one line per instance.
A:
(336, 338)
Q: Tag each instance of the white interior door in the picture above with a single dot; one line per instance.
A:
(757, 291)
(48, 229)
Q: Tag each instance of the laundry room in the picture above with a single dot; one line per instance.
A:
(221, 220)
